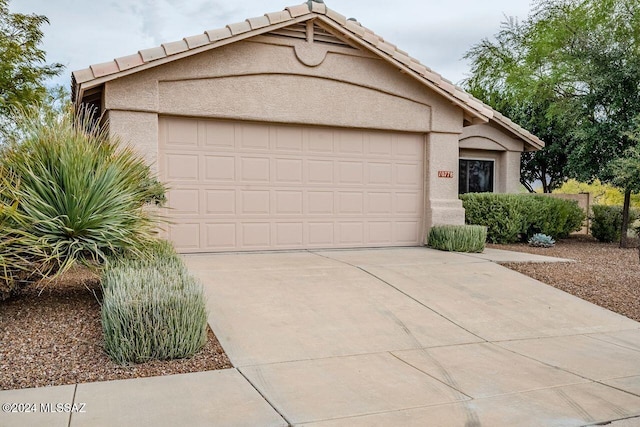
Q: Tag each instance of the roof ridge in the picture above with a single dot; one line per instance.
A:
(359, 32)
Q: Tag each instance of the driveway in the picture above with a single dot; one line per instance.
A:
(412, 336)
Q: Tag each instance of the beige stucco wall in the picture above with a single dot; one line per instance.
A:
(486, 142)
(264, 80)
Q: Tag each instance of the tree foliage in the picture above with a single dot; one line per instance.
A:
(23, 67)
(570, 73)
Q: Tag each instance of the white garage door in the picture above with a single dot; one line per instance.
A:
(239, 186)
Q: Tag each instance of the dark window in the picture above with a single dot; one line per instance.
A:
(476, 176)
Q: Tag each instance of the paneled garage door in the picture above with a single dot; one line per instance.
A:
(239, 186)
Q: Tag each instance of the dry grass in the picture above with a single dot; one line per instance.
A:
(55, 338)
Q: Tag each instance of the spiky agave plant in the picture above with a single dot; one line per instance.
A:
(80, 191)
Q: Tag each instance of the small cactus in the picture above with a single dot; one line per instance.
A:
(540, 240)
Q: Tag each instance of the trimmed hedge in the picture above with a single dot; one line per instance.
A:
(606, 222)
(458, 238)
(511, 218)
(152, 309)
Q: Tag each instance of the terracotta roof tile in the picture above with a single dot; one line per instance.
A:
(278, 17)
(340, 19)
(104, 69)
(154, 53)
(397, 55)
(239, 27)
(219, 34)
(131, 61)
(355, 28)
(320, 8)
(175, 47)
(258, 22)
(371, 38)
(387, 48)
(84, 75)
(197, 40)
(299, 10)
(289, 14)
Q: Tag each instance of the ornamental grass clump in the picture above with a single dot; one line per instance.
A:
(458, 238)
(81, 193)
(152, 308)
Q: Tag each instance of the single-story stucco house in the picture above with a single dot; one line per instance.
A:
(302, 129)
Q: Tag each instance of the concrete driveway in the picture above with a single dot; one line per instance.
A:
(413, 336)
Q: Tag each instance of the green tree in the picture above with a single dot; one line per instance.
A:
(23, 67)
(579, 60)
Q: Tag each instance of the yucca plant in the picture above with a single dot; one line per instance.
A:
(152, 308)
(458, 238)
(23, 257)
(80, 191)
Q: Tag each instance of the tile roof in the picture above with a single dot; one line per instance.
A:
(100, 73)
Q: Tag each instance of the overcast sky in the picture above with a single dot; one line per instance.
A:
(85, 32)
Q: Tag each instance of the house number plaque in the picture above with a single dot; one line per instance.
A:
(445, 174)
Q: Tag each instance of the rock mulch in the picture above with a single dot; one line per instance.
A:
(53, 336)
(602, 273)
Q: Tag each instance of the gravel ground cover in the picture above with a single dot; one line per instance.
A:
(602, 273)
(53, 336)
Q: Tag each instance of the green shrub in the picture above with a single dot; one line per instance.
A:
(606, 222)
(152, 308)
(516, 217)
(553, 217)
(458, 238)
(502, 214)
(80, 192)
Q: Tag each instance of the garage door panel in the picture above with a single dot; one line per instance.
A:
(220, 135)
(380, 203)
(380, 232)
(184, 201)
(185, 236)
(350, 173)
(182, 167)
(181, 132)
(350, 233)
(380, 145)
(407, 232)
(408, 174)
(320, 171)
(408, 203)
(320, 140)
(288, 171)
(380, 173)
(320, 202)
(220, 168)
(350, 142)
(255, 235)
(350, 203)
(254, 137)
(255, 169)
(255, 202)
(289, 202)
(220, 202)
(321, 234)
(221, 236)
(288, 139)
(289, 234)
(247, 186)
